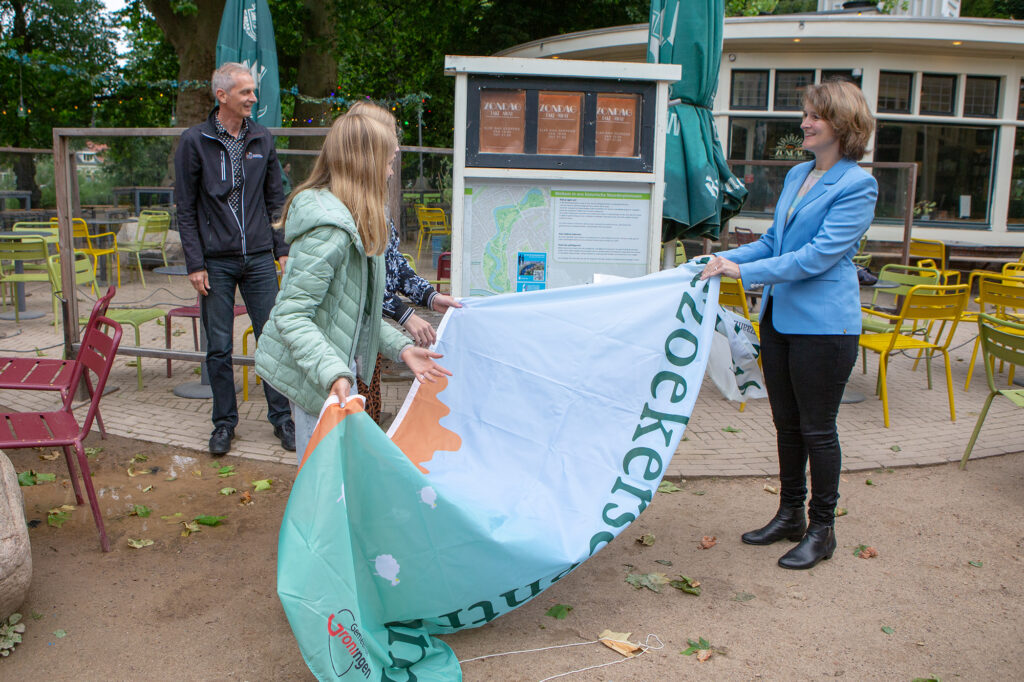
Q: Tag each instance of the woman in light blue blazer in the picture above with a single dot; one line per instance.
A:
(810, 313)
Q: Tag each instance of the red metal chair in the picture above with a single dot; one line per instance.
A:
(51, 374)
(61, 428)
(190, 311)
(444, 272)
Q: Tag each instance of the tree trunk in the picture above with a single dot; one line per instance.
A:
(194, 37)
(317, 72)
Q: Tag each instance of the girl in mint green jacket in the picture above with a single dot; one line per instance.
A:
(326, 326)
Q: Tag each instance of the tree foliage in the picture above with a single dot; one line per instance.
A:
(62, 46)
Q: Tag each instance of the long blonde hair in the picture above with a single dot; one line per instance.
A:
(353, 166)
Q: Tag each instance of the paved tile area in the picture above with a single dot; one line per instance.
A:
(921, 431)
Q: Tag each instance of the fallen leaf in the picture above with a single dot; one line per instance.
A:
(647, 539)
(173, 477)
(558, 611)
(688, 585)
(619, 641)
(707, 542)
(699, 492)
(140, 510)
(743, 597)
(45, 478)
(652, 581)
(140, 458)
(868, 481)
(261, 485)
(36, 615)
(60, 634)
(976, 564)
(139, 544)
(175, 515)
(703, 655)
(208, 520)
(225, 471)
(731, 429)
(92, 453)
(770, 489)
(841, 511)
(865, 552)
(57, 516)
(27, 478)
(50, 457)
(895, 448)
(246, 498)
(147, 489)
(133, 472)
(197, 473)
(668, 487)
(887, 630)
(228, 491)
(663, 562)
(190, 527)
(700, 645)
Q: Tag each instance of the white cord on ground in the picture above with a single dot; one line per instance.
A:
(647, 645)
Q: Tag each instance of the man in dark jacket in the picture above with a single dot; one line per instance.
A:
(228, 192)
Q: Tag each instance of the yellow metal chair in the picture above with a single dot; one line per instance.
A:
(30, 251)
(80, 231)
(922, 306)
(905, 277)
(1015, 269)
(433, 221)
(1001, 298)
(150, 236)
(934, 252)
(1004, 340)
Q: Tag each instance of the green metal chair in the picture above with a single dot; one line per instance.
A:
(85, 274)
(150, 236)
(30, 252)
(1004, 340)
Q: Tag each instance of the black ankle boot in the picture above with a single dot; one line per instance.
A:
(789, 523)
(819, 543)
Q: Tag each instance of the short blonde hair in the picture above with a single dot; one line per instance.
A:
(353, 166)
(842, 104)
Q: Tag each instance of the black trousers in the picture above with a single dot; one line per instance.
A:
(805, 375)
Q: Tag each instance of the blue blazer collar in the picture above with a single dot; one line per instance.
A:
(830, 178)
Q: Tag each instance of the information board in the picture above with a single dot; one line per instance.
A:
(525, 235)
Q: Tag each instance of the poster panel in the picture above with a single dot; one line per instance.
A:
(559, 116)
(617, 117)
(502, 121)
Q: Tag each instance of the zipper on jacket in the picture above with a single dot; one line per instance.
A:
(223, 177)
(223, 168)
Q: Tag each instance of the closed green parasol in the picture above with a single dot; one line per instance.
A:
(700, 190)
(247, 36)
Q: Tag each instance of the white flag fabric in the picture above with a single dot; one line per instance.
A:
(552, 436)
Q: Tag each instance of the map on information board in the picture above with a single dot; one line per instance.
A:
(574, 230)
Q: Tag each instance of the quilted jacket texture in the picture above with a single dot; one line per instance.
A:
(328, 311)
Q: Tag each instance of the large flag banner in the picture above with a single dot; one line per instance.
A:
(247, 36)
(552, 436)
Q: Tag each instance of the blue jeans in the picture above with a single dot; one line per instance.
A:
(805, 375)
(254, 275)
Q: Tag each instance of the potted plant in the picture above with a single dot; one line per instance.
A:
(923, 209)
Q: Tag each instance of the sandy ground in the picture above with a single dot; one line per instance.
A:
(204, 607)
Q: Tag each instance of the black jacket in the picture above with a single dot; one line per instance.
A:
(207, 225)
